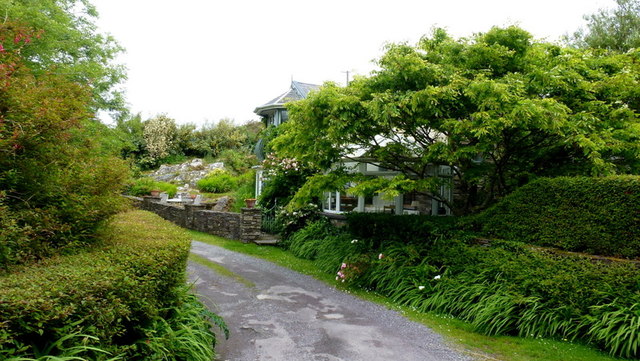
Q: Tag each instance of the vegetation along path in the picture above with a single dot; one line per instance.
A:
(277, 314)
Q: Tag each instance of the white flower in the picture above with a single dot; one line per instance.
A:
(354, 241)
(421, 288)
(437, 277)
(380, 256)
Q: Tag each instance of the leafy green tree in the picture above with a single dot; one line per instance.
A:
(498, 109)
(69, 41)
(615, 29)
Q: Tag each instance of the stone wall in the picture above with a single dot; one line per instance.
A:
(243, 226)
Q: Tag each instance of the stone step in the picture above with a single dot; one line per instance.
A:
(266, 242)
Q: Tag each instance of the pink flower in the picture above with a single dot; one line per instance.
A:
(344, 265)
(2, 49)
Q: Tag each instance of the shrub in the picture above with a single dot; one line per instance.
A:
(111, 291)
(237, 160)
(218, 181)
(594, 215)
(144, 186)
(245, 189)
(378, 228)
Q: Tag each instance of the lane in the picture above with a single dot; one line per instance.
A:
(277, 314)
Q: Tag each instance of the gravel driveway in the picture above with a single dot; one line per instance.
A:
(277, 314)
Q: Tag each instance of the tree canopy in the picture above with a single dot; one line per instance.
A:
(615, 29)
(498, 108)
(69, 43)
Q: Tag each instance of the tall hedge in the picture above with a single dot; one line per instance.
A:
(111, 291)
(593, 215)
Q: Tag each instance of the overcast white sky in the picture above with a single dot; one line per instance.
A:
(200, 60)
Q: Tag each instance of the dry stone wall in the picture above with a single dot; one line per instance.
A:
(243, 226)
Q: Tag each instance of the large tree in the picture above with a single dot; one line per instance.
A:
(69, 42)
(498, 108)
(616, 29)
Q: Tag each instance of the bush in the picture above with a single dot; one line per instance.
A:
(218, 181)
(144, 186)
(594, 215)
(246, 189)
(379, 228)
(111, 291)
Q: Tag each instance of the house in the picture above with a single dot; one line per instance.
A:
(274, 113)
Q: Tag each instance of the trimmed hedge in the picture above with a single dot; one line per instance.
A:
(594, 215)
(111, 291)
(380, 228)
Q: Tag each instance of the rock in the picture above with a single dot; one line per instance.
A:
(223, 204)
(187, 173)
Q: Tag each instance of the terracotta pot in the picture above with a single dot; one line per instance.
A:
(155, 193)
(251, 202)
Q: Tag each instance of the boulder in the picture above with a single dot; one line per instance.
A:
(223, 204)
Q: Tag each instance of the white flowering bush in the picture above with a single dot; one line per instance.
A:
(159, 135)
(291, 221)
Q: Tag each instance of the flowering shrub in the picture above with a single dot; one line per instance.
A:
(159, 134)
(290, 221)
(283, 178)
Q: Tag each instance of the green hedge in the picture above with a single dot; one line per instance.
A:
(594, 215)
(111, 291)
(379, 228)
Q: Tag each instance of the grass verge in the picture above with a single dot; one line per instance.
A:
(480, 347)
(220, 269)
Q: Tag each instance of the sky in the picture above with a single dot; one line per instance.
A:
(201, 61)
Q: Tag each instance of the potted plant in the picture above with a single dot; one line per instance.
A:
(251, 202)
(155, 192)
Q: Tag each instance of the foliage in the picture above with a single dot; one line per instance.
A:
(218, 181)
(237, 162)
(184, 333)
(292, 220)
(245, 190)
(69, 43)
(499, 108)
(504, 288)
(380, 228)
(594, 215)
(155, 141)
(159, 133)
(282, 178)
(110, 291)
(57, 181)
(611, 29)
(144, 186)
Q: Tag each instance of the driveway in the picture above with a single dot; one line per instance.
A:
(277, 314)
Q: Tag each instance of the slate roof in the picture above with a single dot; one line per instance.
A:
(297, 91)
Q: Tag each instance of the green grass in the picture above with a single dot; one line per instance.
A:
(458, 333)
(220, 269)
